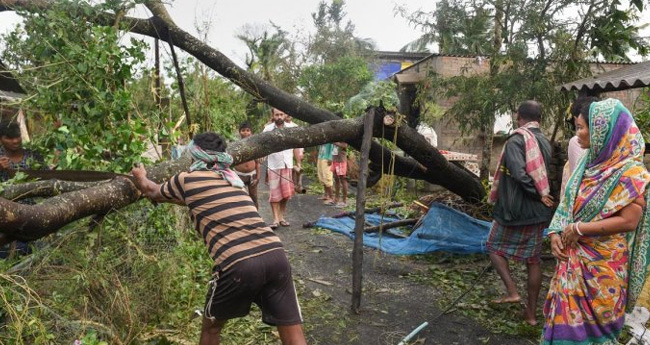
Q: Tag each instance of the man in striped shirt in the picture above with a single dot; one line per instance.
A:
(250, 263)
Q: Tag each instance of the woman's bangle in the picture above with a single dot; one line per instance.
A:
(577, 228)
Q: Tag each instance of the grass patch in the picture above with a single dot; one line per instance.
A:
(136, 279)
(452, 275)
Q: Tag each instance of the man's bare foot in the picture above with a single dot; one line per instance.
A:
(531, 320)
(507, 299)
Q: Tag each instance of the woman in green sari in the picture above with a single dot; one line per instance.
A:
(600, 233)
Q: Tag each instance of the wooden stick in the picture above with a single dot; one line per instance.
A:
(357, 251)
(396, 224)
(181, 86)
(319, 281)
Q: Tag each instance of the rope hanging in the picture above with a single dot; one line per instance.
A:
(181, 84)
(395, 121)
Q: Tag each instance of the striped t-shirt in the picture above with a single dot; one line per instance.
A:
(224, 215)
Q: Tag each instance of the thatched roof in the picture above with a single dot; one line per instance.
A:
(628, 77)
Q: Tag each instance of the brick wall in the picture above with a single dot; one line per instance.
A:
(449, 136)
(628, 97)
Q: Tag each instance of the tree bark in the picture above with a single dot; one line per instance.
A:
(162, 26)
(430, 165)
(45, 188)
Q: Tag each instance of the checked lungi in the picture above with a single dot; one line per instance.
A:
(280, 184)
(521, 243)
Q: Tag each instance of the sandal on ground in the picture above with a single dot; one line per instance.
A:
(284, 223)
(341, 205)
(273, 226)
(330, 203)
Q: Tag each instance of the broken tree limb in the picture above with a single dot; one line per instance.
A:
(161, 26)
(429, 166)
(30, 222)
(45, 188)
(320, 281)
(391, 225)
(446, 174)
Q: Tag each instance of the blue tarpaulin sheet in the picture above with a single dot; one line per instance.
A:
(442, 229)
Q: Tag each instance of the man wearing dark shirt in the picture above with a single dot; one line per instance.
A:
(250, 263)
(522, 207)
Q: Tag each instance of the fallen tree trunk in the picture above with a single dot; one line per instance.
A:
(430, 164)
(28, 222)
(162, 26)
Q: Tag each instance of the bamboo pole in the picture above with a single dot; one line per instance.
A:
(357, 251)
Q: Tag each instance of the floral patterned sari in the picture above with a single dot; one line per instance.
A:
(590, 293)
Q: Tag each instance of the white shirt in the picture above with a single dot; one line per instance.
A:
(428, 134)
(279, 160)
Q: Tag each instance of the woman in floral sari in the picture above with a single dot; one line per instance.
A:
(600, 232)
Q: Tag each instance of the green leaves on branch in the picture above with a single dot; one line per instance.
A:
(615, 33)
(77, 76)
(331, 85)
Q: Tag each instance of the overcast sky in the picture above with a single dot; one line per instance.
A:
(374, 19)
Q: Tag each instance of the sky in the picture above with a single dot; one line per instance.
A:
(376, 19)
(227, 17)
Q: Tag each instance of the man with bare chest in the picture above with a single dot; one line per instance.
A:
(249, 172)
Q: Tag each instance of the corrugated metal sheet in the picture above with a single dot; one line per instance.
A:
(408, 78)
(623, 78)
(399, 55)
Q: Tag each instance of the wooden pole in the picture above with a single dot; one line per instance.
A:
(357, 251)
(181, 86)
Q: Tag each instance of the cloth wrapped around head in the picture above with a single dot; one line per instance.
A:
(216, 161)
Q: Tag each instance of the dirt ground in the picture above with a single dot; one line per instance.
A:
(392, 306)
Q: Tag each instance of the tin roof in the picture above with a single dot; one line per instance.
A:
(628, 77)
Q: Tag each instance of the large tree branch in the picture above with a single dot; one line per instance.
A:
(46, 188)
(162, 26)
(430, 165)
(27, 222)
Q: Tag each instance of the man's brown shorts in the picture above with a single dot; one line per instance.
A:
(264, 280)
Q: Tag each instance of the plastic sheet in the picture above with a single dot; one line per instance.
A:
(442, 229)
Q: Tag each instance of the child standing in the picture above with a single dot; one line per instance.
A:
(340, 169)
(324, 173)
